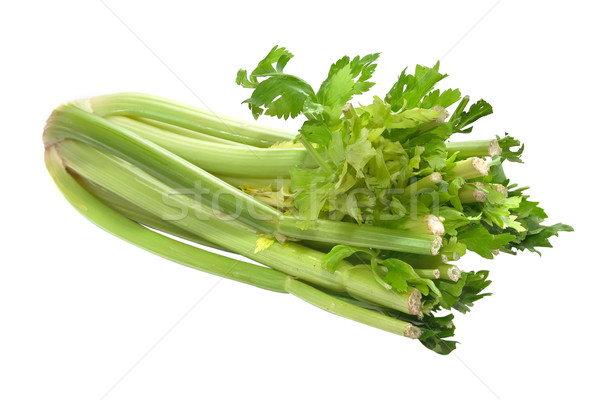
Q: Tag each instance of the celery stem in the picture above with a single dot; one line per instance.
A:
(470, 168)
(315, 155)
(185, 116)
(474, 148)
(137, 186)
(428, 273)
(103, 216)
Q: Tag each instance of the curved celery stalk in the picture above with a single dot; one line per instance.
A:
(218, 158)
(343, 308)
(140, 215)
(137, 186)
(182, 132)
(186, 116)
(72, 122)
(193, 257)
(171, 249)
(187, 179)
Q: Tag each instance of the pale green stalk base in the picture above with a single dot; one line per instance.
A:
(420, 261)
(351, 311)
(140, 215)
(474, 148)
(471, 168)
(449, 272)
(472, 193)
(428, 273)
(428, 182)
(154, 242)
(75, 123)
(429, 224)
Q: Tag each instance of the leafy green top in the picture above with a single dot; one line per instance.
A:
(372, 160)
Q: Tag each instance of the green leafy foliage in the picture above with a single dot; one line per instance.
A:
(400, 275)
(283, 95)
(465, 118)
(467, 290)
(346, 78)
(506, 143)
(475, 283)
(481, 241)
(368, 154)
(340, 252)
(408, 92)
(435, 330)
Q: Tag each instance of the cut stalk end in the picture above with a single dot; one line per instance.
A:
(412, 332)
(450, 272)
(454, 273)
(414, 303)
(436, 245)
(470, 168)
(480, 166)
(435, 177)
(443, 114)
(501, 189)
(434, 225)
(472, 194)
(494, 149)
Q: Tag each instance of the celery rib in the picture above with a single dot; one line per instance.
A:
(219, 158)
(135, 185)
(73, 122)
(108, 219)
(183, 115)
(126, 229)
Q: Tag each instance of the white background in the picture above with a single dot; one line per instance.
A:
(84, 315)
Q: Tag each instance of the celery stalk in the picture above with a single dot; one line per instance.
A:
(185, 116)
(136, 186)
(219, 158)
(100, 214)
(189, 180)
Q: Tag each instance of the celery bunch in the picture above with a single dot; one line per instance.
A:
(362, 213)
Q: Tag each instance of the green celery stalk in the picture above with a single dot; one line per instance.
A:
(449, 272)
(76, 123)
(138, 187)
(420, 261)
(73, 122)
(351, 311)
(474, 148)
(381, 238)
(471, 168)
(256, 183)
(182, 132)
(428, 182)
(472, 193)
(171, 249)
(171, 112)
(428, 273)
(138, 214)
(103, 216)
(219, 158)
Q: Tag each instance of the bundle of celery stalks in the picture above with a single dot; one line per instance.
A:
(363, 213)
